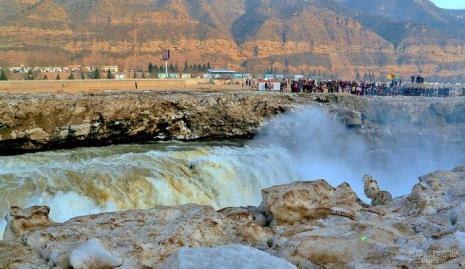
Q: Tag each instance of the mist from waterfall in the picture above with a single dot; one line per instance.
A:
(324, 148)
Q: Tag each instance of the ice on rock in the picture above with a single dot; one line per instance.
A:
(460, 238)
(224, 257)
(91, 254)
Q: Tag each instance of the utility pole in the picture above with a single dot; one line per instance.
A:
(166, 56)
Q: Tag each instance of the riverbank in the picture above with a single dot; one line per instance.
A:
(46, 121)
(32, 122)
(308, 224)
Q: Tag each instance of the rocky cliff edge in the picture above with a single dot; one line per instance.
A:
(32, 122)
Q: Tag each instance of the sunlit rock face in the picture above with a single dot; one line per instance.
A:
(302, 201)
(406, 37)
(424, 228)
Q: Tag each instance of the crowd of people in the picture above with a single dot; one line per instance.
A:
(360, 88)
(352, 87)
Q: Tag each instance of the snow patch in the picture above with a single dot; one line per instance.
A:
(224, 257)
(91, 254)
(460, 238)
(2, 228)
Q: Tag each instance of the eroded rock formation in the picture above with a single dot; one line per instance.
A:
(309, 224)
(372, 191)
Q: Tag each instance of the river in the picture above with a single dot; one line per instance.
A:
(303, 145)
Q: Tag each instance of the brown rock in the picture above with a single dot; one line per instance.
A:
(14, 255)
(80, 130)
(37, 135)
(160, 232)
(437, 191)
(313, 226)
(22, 221)
(304, 201)
(373, 192)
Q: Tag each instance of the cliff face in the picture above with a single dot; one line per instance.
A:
(48, 121)
(334, 37)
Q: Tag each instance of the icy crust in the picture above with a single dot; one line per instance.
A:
(91, 254)
(308, 224)
(224, 257)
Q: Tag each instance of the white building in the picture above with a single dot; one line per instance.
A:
(120, 76)
(112, 68)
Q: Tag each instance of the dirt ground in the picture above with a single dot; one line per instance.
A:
(75, 86)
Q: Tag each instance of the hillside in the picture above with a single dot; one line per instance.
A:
(332, 36)
(13, 6)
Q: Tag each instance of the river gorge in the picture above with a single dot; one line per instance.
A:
(339, 138)
(215, 149)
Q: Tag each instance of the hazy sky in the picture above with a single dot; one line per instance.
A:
(454, 4)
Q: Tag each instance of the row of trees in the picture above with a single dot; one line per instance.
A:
(188, 68)
(95, 75)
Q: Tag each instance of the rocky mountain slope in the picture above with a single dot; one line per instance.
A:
(336, 37)
(309, 224)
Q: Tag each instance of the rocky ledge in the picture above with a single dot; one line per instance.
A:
(31, 122)
(303, 225)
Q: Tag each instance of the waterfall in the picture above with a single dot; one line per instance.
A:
(306, 144)
(92, 180)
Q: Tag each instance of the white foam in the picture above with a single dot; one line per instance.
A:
(64, 206)
(460, 238)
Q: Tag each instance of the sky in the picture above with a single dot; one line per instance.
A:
(452, 4)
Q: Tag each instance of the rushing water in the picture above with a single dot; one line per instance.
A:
(91, 180)
(306, 144)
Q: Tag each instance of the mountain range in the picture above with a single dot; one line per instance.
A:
(341, 38)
